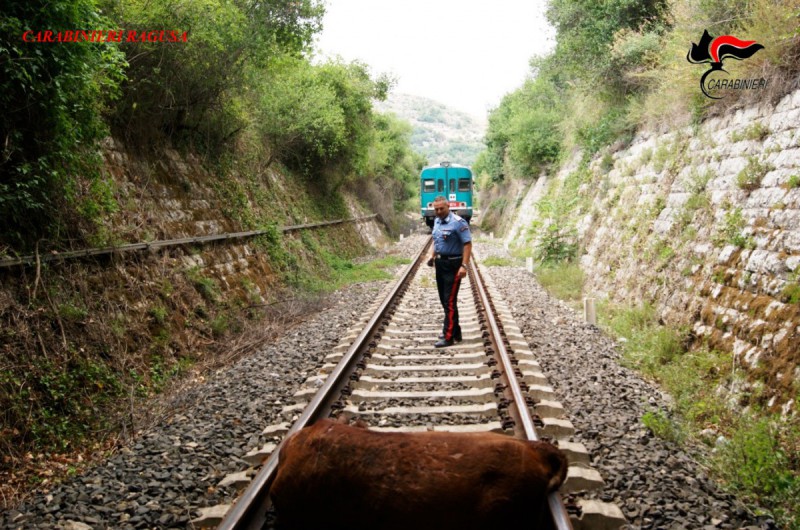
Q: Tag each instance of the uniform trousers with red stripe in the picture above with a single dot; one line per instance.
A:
(448, 283)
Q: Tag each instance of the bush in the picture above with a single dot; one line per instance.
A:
(662, 426)
(750, 177)
(318, 119)
(755, 462)
(523, 135)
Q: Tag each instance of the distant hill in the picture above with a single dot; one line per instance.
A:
(441, 133)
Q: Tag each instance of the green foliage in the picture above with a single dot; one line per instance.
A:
(317, 116)
(522, 137)
(610, 127)
(52, 96)
(563, 280)
(758, 457)
(755, 131)
(793, 182)
(732, 230)
(186, 90)
(299, 115)
(586, 31)
(219, 325)
(497, 261)
(392, 170)
(556, 244)
(556, 235)
(749, 178)
(72, 312)
(648, 345)
(662, 426)
(346, 272)
(67, 397)
(206, 286)
(159, 313)
(756, 462)
(791, 293)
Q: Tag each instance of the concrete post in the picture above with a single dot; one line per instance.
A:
(401, 237)
(589, 312)
(491, 235)
(529, 264)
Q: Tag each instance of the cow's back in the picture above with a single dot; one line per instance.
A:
(335, 476)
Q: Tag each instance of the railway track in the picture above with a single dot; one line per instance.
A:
(386, 372)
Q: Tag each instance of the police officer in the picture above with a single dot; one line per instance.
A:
(452, 246)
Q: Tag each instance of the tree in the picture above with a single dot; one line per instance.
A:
(52, 98)
(182, 90)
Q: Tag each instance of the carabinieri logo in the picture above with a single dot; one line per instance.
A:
(714, 50)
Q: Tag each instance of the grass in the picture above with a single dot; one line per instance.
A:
(647, 345)
(497, 261)
(758, 458)
(345, 272)
(756, 131)
(750, 177)
(563, 280)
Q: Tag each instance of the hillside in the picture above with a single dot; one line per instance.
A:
(439, 132)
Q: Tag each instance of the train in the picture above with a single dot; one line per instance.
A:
(452, 181)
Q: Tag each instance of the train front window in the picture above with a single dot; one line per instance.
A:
(428, 185)
(463, 184)
(452, 186)
(440, 184)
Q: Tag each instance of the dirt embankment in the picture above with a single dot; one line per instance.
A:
(85, 342)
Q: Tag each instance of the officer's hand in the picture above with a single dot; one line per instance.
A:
(430, 262)
(462, 272)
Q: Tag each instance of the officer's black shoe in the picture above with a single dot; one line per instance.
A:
(441, 337)
(441, 343)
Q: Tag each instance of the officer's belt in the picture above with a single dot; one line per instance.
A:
(442, 256)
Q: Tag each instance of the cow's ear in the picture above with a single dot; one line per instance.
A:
(559, 466)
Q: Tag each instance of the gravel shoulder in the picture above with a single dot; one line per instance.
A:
(654, 482)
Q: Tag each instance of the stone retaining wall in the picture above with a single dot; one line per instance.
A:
(704, 222)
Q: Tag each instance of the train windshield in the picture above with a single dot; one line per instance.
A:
(440, 186)
(463, 184)
(452, 186)
(429, 185)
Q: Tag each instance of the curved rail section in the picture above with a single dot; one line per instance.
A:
(386, 372)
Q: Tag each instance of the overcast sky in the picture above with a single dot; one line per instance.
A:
(464, 53)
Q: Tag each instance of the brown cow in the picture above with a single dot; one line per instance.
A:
(334, 476)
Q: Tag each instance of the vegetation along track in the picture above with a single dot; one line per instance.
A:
(386, 372)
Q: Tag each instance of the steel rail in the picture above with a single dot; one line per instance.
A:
(163, 243)
(518, 407)
(250, 509)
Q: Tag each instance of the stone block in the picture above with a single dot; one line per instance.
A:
(766, 261)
